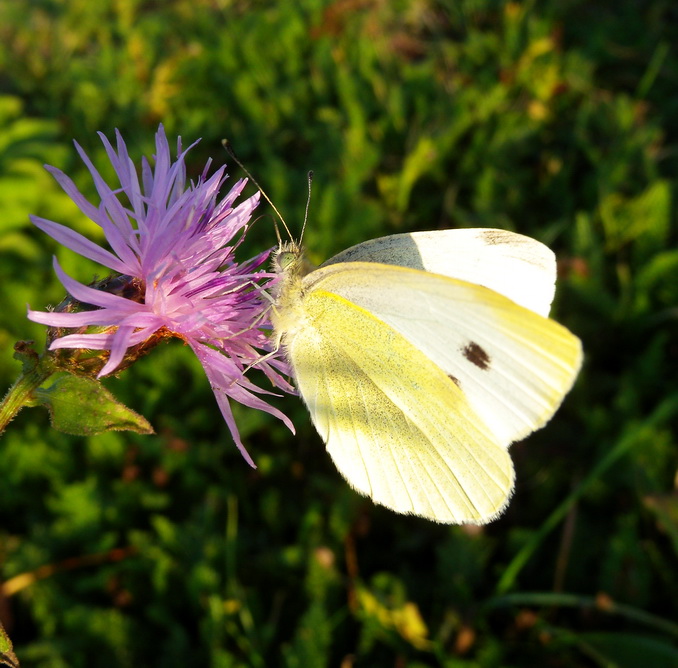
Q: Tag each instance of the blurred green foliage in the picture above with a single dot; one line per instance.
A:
(555, 119)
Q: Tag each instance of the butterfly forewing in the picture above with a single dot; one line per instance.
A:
(513, 365)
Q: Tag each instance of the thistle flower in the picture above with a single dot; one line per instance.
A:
(174, 245)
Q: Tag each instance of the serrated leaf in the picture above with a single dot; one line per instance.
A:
(84, 407)
(7, 656)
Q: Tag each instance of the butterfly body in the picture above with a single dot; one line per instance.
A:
(419, 366)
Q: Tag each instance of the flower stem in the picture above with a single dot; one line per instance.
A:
(35, 372)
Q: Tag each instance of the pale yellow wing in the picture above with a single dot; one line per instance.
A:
(516, 266)
(397, 426)
(514, 367)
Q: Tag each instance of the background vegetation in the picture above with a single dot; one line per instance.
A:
(557, 119)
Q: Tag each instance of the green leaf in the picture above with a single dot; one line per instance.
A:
(84, 407)
(647, 217)
(7, 656)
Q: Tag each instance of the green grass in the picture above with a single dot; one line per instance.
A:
(555, 119)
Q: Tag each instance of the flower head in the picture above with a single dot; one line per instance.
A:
(172, 246)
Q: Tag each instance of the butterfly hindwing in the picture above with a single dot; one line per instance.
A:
(397, 427)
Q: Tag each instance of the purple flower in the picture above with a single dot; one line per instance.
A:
(176, 243)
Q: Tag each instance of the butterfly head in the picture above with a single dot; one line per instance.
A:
(289, 260)
(288, 254)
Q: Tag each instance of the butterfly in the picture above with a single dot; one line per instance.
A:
(421, 357)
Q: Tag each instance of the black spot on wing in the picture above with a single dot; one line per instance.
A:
(476, 355)
(454, 380)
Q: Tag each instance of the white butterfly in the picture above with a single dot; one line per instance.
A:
(422, 357)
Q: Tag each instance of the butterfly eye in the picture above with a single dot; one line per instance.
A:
(285, 260)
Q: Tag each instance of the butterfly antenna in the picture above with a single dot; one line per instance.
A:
(308, 204)
(229, 149)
